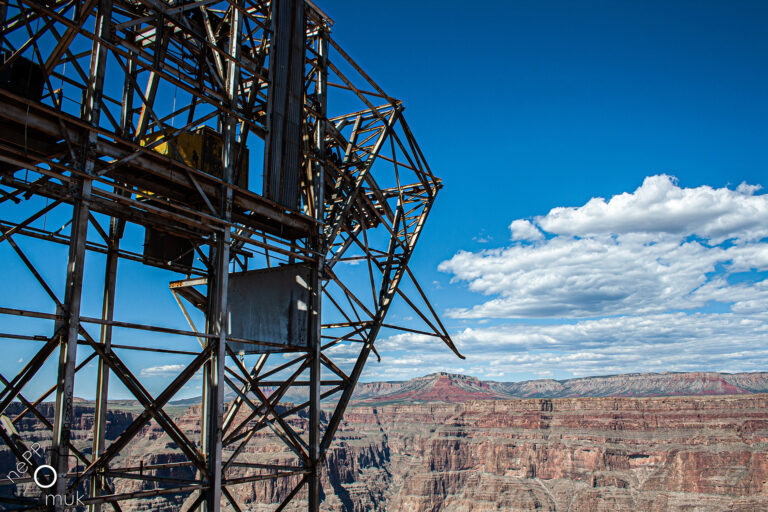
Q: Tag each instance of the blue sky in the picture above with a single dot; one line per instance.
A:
(522, 107)
(528, 107)
(525, 106)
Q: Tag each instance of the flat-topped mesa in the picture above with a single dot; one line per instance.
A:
(448, 387)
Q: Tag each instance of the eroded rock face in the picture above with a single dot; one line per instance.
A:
(588, 454)
(704, 453)
(447, 387)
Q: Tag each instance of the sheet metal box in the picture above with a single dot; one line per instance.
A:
(269, 305)
(22, 77)
(200, 149)
(168, 248)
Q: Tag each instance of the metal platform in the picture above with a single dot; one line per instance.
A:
(337, 195)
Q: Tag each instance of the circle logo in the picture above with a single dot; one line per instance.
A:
(43, 486)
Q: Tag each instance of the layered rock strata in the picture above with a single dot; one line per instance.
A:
(704, 453)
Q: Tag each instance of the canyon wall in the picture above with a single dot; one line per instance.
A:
(688, 453)
(586, 454)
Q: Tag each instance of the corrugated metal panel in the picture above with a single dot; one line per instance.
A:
(282, 152)
(269, 305)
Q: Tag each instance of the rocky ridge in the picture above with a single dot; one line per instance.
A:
(449, 387)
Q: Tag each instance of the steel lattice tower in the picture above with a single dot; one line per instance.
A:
(162, 116)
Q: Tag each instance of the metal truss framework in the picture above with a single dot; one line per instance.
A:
(120, 79)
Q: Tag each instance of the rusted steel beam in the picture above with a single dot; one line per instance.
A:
(90, 114)
(109, 498)
(152, 409)
(221, 59)
(70, 308)
(97, 483)
(156, 165)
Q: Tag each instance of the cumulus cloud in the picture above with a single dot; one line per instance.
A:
(524, 230)
(659, 206)
(658, 249)
(162, 371)
(664, 278)
(660, 342)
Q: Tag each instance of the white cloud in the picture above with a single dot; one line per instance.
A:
(747, 189)
(661, 248)
(655, 343)
(162, 371)
(482, 237)
(664, 278)
(524, 230)
(659, 205)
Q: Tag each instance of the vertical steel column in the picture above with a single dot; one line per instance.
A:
(318, 244)
(213, 371)
(282, 145)
(102, 382)
(161, 43)
(62, 421)
(116, 229)
(126, 109)
(213, 407)
(73, 293)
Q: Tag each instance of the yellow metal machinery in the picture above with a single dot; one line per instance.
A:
(201, 149)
